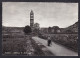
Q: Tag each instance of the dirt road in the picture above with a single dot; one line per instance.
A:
(56, 49)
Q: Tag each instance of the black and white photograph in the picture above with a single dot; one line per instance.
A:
(39, 29)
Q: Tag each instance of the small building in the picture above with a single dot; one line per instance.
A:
(36, 26)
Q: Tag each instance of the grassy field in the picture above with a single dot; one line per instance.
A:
(14, 42)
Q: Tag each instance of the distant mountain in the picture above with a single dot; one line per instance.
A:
(71, 29)
(74, 27)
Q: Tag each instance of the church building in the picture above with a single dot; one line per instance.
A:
(32, 24)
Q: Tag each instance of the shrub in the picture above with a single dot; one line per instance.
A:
(27, 30)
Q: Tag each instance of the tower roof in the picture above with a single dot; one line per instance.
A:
(31, 12)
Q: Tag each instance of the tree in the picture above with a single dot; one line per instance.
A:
(36, 31)
(27, 30)
(49, 30)
(56, 28)
(69, 31)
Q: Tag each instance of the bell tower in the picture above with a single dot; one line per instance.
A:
(31, 19)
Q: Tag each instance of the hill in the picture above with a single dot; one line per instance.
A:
(74, 27)
(71, 29)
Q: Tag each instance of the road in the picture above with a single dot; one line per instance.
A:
(56, 49)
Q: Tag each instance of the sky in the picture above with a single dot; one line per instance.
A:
(47, 14)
